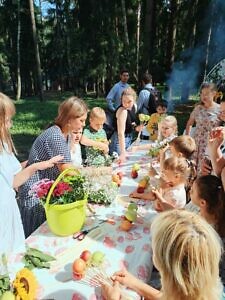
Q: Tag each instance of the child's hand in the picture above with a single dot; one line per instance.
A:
(125, 278)
(216, 137)
(139, 128)
(111, 292)
(103, 147)
(49, 163)
(158, 194)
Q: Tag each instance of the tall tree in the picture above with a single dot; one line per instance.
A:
(36, 51)
(18, 92)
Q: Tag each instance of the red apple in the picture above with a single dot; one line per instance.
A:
(77, 276)
(134, 174)
(85, 255)
(140, 190)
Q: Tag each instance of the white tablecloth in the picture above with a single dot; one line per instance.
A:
(131, 250)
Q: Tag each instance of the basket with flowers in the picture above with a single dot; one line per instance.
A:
(64, 201)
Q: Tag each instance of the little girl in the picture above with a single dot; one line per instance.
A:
(173, 195)
(167, 132)
(208, 194)
(11, 177)
(206, 117)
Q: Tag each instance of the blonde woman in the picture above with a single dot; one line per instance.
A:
(124, 124)
(11, 177)
(72, 114)
(186, 251)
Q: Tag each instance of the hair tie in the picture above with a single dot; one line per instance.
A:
(189, 163)
(219, 187)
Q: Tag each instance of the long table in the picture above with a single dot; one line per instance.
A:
(131, 250)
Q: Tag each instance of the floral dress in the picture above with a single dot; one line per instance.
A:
(206, 119)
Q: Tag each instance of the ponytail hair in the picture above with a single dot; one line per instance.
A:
(210, 189)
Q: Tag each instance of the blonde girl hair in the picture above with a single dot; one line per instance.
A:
(179, 165)
(98, 113)
(187, 251)
(72, 108)
(171, 121)
(7, 110)
(129, 92)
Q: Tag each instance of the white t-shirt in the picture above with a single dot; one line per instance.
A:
(11, 228)
(76, 157)
(175, 195)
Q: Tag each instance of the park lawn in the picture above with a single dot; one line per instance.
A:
(33, 116)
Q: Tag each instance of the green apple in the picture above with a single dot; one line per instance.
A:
(8, 296)
(131, 215)
(97, 258)
(136, 167)
(132, 206)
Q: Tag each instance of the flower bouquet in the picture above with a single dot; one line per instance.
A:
(103, 190)
(64, 201)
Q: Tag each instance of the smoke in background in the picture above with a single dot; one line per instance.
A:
(195, 63)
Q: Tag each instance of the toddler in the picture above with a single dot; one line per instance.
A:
(173, 195)
(167, 132)
(75, 148)
(95, 132)
(152, 126)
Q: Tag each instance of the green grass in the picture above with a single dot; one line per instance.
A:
(33, 116)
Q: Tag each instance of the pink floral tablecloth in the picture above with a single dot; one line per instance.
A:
(131, 250)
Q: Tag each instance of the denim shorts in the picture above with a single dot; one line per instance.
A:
(114, 145)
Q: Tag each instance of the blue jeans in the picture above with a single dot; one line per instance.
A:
(114, 145)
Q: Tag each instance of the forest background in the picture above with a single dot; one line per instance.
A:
(78, 47)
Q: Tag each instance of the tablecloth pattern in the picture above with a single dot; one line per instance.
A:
(131, 250)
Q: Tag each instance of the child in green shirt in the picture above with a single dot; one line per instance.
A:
(95, 132)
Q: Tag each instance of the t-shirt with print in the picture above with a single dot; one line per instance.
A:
(95, 156)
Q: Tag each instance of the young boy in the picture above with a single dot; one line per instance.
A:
(152, 126)
(95, 132)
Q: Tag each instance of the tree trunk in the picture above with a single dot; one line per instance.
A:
(172, 32)
(36, 50)
(148, 35)
(138, 39)
(124, 21)
(18, 91)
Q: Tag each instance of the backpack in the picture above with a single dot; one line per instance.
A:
(154, 96)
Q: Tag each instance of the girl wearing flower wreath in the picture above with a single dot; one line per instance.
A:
(11, 177)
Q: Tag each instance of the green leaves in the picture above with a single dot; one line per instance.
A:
(4, 284)
(34, 258)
